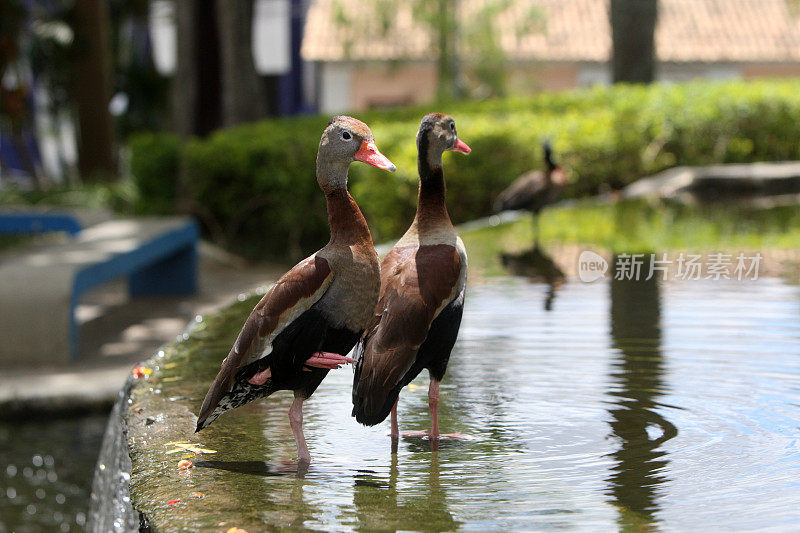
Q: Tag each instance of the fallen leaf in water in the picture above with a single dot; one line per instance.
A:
(166, 380)
(184, 464)
(411, 386)
(173, 502)
(169, 365)
(197, 494)
(236, 530)
(187, 446)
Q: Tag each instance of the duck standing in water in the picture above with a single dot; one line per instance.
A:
(423, 280)
(534, 190)
(316, 310)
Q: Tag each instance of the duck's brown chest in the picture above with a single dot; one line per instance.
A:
(353, 294)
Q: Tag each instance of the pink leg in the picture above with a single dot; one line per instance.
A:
(395, 430)
(327, 360)
(433, 405)
(296, 422)
(261, 377)
(433, 434)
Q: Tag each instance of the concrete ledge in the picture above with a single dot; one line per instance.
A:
(63, 393)
(753, 182)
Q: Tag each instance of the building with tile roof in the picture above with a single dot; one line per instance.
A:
(365, 58)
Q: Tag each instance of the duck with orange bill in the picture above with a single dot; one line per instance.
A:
(319, 308)
(423, 280)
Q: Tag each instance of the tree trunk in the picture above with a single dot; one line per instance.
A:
(633, 24)
(91, 88)
(184, 82)
(207, 60)
(448, 87)
(242, 89)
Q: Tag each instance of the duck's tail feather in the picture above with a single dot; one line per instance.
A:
(241, 393)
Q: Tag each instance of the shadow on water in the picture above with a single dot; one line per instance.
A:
(637, 375)
(257, 468)
(538, 266)
(380, 504)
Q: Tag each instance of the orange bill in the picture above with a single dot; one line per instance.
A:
(461, 146)
(369, 154)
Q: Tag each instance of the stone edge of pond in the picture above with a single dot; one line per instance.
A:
(143, 405)
(132, 420)
(111, 508)
(112, 488)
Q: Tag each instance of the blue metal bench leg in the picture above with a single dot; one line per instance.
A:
(173, 275)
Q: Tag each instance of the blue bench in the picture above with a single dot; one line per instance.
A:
(41, 288)
(38, 222)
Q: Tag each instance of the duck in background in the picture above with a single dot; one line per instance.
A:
(534, 190)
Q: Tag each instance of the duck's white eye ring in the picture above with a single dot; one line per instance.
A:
(452, 126)
(346, 136)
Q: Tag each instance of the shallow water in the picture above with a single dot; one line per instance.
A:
(644, 405)
(46, 469)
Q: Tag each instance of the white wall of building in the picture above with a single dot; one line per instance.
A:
(335, 90)
(600, 74)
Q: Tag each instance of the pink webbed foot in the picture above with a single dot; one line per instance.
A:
(328, 360)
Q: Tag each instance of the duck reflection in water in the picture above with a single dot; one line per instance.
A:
(638, 381)
(380, 506)
(539, 267)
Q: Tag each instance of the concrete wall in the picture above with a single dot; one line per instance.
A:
(774, 70)
(355, 86)
(382, 85)
(335, 88)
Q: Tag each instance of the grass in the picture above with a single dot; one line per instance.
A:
(637, 226)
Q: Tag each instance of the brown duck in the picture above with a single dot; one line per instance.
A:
(423, 280)
(534, 190)
(316, 310)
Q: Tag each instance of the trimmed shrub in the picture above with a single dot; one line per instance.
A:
(254, 185)
(155, 159)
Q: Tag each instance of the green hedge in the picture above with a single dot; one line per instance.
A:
(254, 185)
(155, 160)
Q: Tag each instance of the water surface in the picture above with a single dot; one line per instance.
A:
(46, 469)
(640, 405)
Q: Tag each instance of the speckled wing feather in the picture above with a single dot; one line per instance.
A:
(416, 283)
(293, 294)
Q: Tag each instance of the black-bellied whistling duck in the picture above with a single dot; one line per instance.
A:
(316, 310)
(534, 190)
(423, 280)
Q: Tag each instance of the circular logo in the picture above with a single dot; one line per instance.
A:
(591, 266)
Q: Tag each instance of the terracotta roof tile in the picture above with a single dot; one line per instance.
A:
(567, 30)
